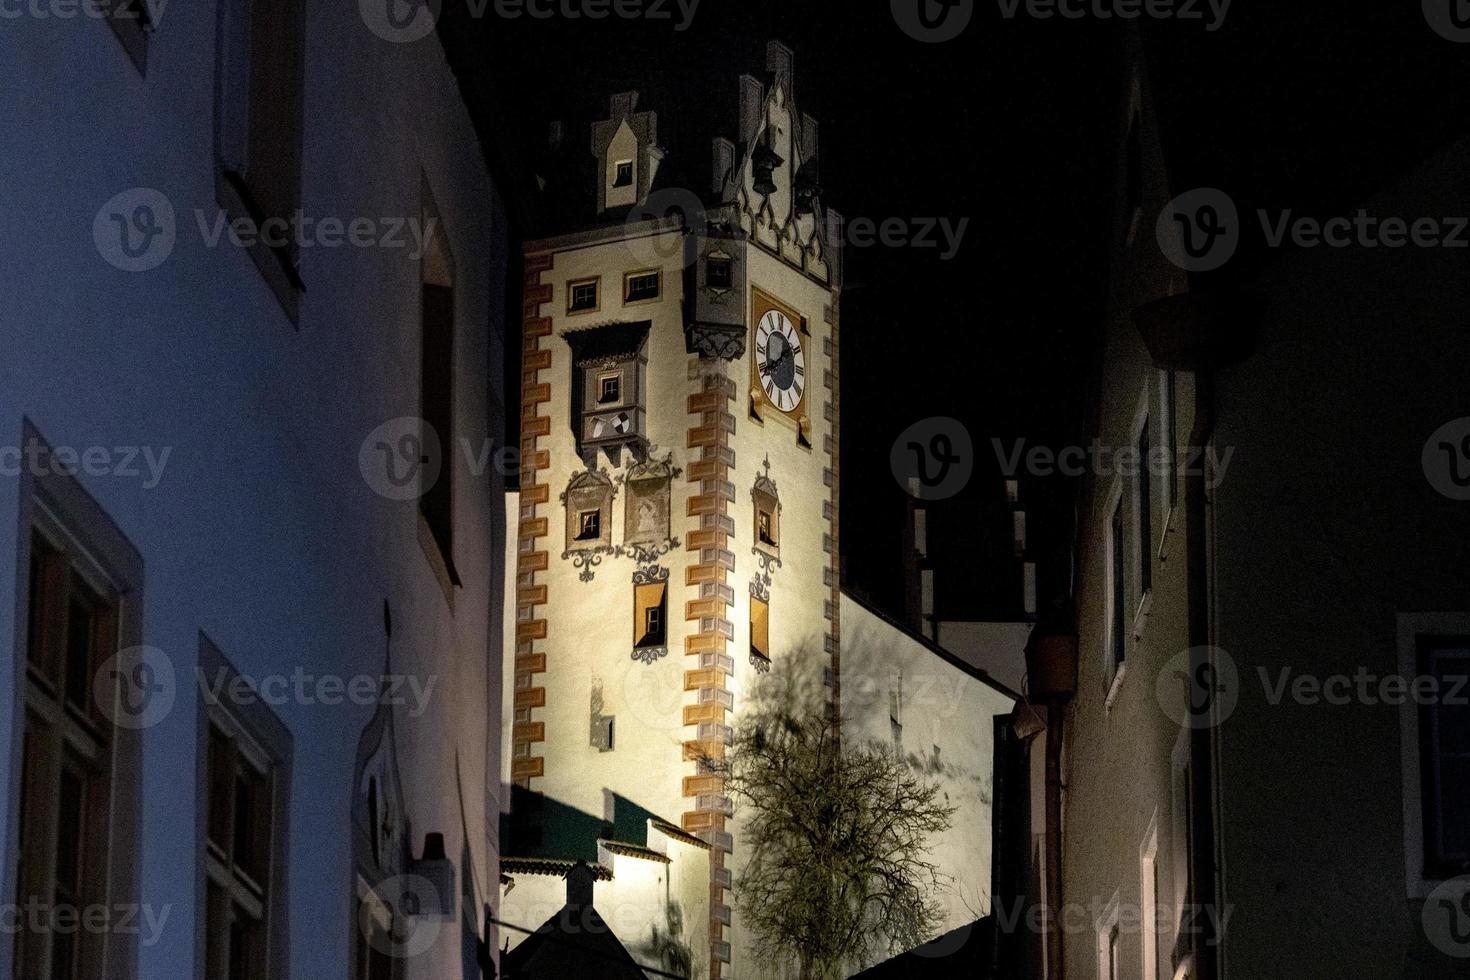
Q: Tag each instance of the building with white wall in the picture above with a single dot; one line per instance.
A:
(219, 520)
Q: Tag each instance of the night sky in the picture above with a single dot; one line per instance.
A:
(1013, 127)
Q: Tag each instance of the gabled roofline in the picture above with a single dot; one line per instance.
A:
(934, 648)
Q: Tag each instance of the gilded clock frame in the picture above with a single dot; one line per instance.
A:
(761, 407)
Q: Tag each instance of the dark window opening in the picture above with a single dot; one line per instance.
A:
(718, 273)
(610, 390)
(583, 296)
(623, 174)
(1119, 586)
(1444, 750)
(642, 286)
(1145, 513)
(589, 525)
(437, 396)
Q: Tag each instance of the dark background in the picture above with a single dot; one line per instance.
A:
(1307, 106)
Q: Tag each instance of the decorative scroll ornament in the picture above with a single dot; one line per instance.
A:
(650, 655)
(650, 575)
(761, 664)
(586, 560)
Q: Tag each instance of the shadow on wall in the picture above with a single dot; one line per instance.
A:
(540, 826)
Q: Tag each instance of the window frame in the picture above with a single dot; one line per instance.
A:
(618, 166)
(1148, 890)
(438, 294)
(1115, 599)
(1109, 939)
(573, 285)
(269, 745)
(658, 286)
(760, 627)
(1413, 628)
(1141, 539)
(236, 192)
(56, 507)
(644, 608)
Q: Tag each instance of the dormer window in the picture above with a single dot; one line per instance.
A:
(623, 173)
(582, 296)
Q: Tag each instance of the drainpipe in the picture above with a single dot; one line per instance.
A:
(1202, 794)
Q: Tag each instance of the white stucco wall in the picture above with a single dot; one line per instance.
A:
(948, 717)
(263, 532)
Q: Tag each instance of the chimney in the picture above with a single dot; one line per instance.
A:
(579, 885)
(752, 107)
(724, 162)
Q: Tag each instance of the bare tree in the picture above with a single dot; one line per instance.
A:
(835, 833)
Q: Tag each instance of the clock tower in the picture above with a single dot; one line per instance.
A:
(677, 519)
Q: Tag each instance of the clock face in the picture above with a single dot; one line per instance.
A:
(780, 360)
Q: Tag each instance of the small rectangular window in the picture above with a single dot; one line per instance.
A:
(760, 628)
(640, 286)
(623, 174)
(718, 273)
(1444, 752)
(610, 389)
(589, 525)
(650, 608)
(582, 296)
(766, 532)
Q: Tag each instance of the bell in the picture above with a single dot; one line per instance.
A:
(808, 187)
(765, 161)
